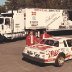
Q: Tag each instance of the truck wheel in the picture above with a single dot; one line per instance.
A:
(60, 61)
(1, 39)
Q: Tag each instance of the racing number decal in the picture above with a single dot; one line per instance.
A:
(53, 53)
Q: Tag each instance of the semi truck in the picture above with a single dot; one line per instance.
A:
(11, 25)
(17, 23)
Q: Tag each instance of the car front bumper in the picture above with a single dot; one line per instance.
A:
(33, 58)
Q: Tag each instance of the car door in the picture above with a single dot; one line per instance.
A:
(65, 49)
(69, 44)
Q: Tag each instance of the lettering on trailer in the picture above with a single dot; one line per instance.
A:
(17, 25)
(33, 17)
(37, 9)
(33, 13)
(54, 10)
(54, 20)
(47, 10)
(50, 17)
(34, 23)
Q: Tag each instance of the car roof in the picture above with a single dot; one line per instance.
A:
(58, 38)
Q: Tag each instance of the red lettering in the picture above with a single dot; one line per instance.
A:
(54, 53)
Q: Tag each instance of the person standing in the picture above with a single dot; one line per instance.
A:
(31, 39)
(45, 35)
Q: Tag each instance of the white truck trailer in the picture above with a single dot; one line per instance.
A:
(41, 19)
(17, 23)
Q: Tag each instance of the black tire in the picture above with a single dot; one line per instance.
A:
(1, 39)
(60, 61)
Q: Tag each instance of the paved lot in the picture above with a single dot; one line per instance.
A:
(11, 60)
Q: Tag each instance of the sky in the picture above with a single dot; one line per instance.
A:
(2, 2)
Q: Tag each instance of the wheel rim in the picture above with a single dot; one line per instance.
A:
(61, 60)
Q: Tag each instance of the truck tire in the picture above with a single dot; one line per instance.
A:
(59, 61)
(1, 39)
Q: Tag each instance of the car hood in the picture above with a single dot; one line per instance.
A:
(40, 46)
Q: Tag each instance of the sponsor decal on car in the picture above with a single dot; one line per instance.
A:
(41, 47)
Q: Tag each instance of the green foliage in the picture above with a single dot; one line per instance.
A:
(54, 4)
(2, 9)
(50, 4)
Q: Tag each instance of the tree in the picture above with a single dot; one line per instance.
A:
(11, 4)
(15, 4)
(2, 9)
(69, 4)
(21, 3)
(50, 4)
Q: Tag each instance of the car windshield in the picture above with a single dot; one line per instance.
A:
(50, 42)
(1, 20)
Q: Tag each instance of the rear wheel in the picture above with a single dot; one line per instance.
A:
(60, 61)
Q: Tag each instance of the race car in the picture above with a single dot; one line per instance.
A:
(50, 50)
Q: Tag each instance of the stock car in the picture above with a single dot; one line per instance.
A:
(50, 50)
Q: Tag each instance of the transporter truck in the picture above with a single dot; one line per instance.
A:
(16, 24)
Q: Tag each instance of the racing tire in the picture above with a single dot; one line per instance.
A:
(59, 61)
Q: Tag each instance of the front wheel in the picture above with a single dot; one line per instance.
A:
(60, 61)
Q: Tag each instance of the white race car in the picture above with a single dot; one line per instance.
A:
(50, 50)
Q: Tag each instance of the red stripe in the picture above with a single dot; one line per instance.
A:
(67, 56)
(48, 60)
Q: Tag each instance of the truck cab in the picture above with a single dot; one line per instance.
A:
(12, 25)
(5, 25)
